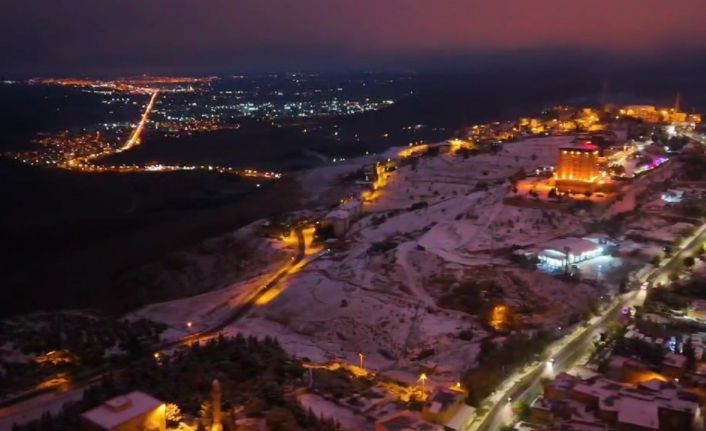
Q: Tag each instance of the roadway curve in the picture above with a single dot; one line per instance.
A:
(43, 395)
(244, 309)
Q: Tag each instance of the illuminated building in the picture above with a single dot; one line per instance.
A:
(651, 114)
(562, 252)
(341, 218)
(456, 145)
(647, 113)
(577, 171)
(588, 120)
(135, 411)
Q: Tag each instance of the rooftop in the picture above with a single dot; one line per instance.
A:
(638, 406)
(576, 246)
(406, 420)
(121, 409)
(441, 399)
(581, 146)
(674, 360)
(638, 411)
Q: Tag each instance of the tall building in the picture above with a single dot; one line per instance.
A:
(577, 171)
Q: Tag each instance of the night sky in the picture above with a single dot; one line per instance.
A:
(102, 36)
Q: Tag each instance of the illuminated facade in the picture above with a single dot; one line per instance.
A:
(651, 114)
(135, 411)
(646, 113)
(577, 171)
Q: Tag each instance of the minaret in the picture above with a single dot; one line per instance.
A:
(677, 102)
(216, 401)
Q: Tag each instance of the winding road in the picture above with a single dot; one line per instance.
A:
(51, 395)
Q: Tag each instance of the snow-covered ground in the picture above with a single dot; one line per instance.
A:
(432, 226)
(378, 296)
(265, 257)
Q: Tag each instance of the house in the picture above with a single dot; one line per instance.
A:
(343, 216)
(674, 365)
(697, 310)
(405, 420)
(135, 411)
(652, 405)
(442, 405)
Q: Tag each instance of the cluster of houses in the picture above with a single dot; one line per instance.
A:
(594, 402)
(444, 409)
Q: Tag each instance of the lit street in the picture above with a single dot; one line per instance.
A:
(568, 351)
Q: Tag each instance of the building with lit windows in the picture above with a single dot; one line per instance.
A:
(577, 171)
(651, 114)
(647, 113)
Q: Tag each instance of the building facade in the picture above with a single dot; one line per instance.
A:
(577, 171)
(135, 411)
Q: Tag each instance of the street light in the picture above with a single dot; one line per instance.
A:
(189, 324)
(423, 378)
(361, 358)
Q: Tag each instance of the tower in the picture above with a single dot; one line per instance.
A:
(216, 400)
(677, 102)
(577, 171)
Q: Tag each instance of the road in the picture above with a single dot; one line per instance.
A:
(296, 264)
(29, 405)
(135, 137)
(698, 137)
(567, 352)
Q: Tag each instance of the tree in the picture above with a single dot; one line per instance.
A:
(521, 409)
(173, 414)
(689, 261)
(206, 410)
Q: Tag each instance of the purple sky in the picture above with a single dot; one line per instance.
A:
(111, 35)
